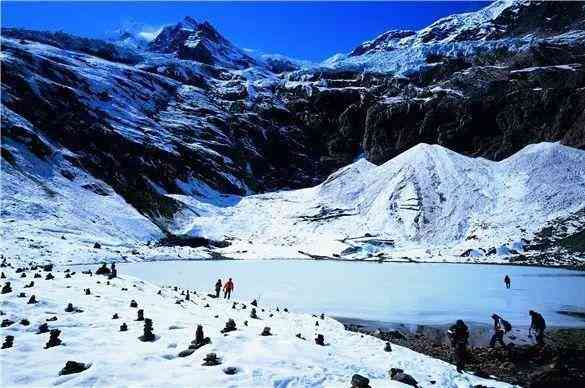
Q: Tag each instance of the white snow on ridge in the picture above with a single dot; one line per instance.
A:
(427, 198)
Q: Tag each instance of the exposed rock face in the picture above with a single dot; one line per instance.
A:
(180, 117)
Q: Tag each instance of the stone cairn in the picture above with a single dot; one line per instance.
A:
(37, 276)
(23, 275)
(199, 341)
(87, 291)
(113, 272)
(140, 315)
(266, 332)
(253, 314)
(49, 276)
(148, 335)
(254, 303)
(211, 360)
(359, 381)
(2, 276)
(388, 347)
(187, 297)
(115, 316)
(124, 327)
(6, 288)
(320, 340)
(230, 325)
(8, 342)
(43, 328)
(22, 295)
(53, 339)
(133, 304)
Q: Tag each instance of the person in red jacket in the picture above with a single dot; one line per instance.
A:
(228, 287)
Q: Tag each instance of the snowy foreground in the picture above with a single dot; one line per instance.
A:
(120, 359)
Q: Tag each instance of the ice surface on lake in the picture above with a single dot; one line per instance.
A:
(404, 293)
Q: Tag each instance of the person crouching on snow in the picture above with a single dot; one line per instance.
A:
(228, 288)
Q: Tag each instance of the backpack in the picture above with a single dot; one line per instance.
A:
(507, 326)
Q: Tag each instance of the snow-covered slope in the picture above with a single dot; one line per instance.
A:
(505, 27)
(118, 358)
(427, 198)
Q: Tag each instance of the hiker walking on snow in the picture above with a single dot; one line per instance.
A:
(217, 288)
(499, 331)
(459, 335)
(508, 281)
(537, 325)
(228, 288)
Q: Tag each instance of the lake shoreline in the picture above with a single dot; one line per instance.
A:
(560, 363)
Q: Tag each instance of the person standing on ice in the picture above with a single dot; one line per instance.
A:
(459, 335)
(228, 288)
(508, 281)
(217, 288)
(537, 325)
(498, 331)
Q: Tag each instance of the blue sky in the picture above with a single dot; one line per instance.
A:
(304, 30)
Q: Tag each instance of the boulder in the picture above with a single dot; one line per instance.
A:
(72, 367)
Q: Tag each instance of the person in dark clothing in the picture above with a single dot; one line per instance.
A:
(228, 287)
(508, 281)
(217, 288)
(537, 325)
(498, 331)
(459, 334)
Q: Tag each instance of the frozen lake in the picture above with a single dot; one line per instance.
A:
(399, 293)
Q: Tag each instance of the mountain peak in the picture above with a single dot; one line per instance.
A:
(201, 42)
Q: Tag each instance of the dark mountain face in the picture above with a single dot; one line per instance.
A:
(200, 42)
(183, 113)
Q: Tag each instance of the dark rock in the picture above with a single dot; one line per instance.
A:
(43, 328)
(359, 381)
(37, 276)
(49, 276)
(211, 360)
(148, 335)
(53, 339)
(22, 295)
(254, 303)
(299, 336)
(6, 288)
(266, 332)
(52, 319)
(140, 315)
(200, 339)
(253, 314)
(115, 316)
(24, 322)
(397, 374)
(6, 323)
(103, 270)
(30, 285)
(133, 304)
(97, 245)
(320, 340)
(231, 370)
(72, 367)
(230, 325)
(124, 327)
(8, 342)
(388, 347)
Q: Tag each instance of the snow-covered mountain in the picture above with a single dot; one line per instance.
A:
(148, 129)
(191, 40)
(502, 28)
(427, 200)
